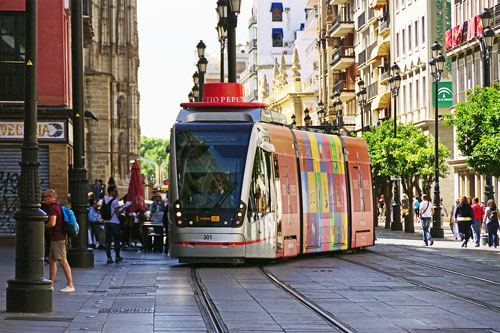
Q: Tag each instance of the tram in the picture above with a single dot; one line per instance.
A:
(245, 185)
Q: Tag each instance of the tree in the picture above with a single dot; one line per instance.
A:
(409, 156)
(155, 150)
(477, 128)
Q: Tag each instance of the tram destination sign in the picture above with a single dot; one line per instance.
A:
(46, 131)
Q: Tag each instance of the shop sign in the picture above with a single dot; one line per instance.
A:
(46, 130)
(445, 94)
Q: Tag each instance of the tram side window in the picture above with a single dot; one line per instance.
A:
(260, 197)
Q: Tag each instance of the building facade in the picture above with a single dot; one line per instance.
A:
(272, 31)
(111, 58)
(54, 100)
(464, 50)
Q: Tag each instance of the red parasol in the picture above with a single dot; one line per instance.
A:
(135, 190)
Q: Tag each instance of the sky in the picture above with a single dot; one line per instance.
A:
(168, 34)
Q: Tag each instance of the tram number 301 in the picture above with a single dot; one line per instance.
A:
(207, 237)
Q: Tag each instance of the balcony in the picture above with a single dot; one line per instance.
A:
(343, 58)
(252, 45)
(372, 90)
(361, 20)
(383, 26)
(362, 58)
(341, 27)
(338, 2)
(252, 20)
(346, 89)
(371, 16)
(311, 20)
(496, 16)
(383, 76)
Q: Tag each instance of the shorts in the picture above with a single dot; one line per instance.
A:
(57, 250)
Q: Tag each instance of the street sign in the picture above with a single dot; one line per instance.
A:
(445, 94)
(395, 178)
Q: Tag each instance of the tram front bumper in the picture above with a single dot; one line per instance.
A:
(208, 245)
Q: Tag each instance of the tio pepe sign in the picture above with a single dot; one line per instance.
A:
(46, 131)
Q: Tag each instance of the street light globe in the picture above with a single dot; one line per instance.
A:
(196, 78)
(222, 29)
(440, 62)
(436, 48)
(201, 49)
(432, 65)
(489, 37)
(397, 81)
(235, 6)
(395, 69)
(202, 65)
(221, 9)
(486, 18)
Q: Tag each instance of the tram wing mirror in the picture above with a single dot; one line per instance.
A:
(167, 150)
(268, 147)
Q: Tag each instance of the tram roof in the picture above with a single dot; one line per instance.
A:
(231, 114)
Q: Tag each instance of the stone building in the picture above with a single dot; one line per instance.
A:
(111, 58)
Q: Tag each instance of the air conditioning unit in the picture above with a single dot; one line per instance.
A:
(315, 66)
(287, 9)
(285, 52)
(287, 44)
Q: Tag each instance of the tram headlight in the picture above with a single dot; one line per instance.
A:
(178, 214)
(240, 214)
(177, 206)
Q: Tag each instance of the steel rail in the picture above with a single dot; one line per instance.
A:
(206, 304)
(325, 315)
(425, 286)
(437, 268)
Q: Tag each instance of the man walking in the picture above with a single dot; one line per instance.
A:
(110, 210)
(478, 213)
(426, 211)
(57, 250)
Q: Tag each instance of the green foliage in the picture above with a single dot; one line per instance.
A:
(477, 128)
(410, 155)
(154, 150)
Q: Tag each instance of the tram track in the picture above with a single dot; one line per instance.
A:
(428, 287)
(325, 315)
(447, 270)
(210, 314)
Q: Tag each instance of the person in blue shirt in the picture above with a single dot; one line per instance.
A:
(94, 220)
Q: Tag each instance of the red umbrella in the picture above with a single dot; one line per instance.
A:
(135, 190)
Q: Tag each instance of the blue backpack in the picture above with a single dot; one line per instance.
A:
(70, 225)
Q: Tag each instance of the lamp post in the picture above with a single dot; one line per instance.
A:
(222, 32)
(191, 97)
(487, 38)
(307, 118)
(362, 101)
(230, 10)
(339, 120)
(196, 92)
(395, 82)
(294, 123)
(29, 291)
(202, 67)
(79, 254)
(436, 65)
(321, 113)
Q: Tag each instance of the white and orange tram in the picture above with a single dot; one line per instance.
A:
(244, 185)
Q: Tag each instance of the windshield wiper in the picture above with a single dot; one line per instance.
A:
(225, 196)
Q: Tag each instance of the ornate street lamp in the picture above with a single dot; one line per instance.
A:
(362, 101)
(487, 38)
(339, 121)
(436, 65)
(294, 123)
(229, 10)
(222, 32)
(29, 291)
(191, 97)
(202, 69)
(395, 83)
(307, 118)
(200, 48)
(196, 92)
(196, 78)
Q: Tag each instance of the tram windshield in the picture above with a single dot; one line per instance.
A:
(210, 164)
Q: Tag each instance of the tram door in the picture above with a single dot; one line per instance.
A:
(278, 202)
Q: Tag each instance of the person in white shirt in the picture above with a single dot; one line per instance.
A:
(112, 226)
(426, 212)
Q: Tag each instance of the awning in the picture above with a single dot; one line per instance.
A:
(278, 31)
(382, 101)
(381, 50)
(276, 5)
(377, 4)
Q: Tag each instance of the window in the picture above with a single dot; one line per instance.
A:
(418, 102)
(416, 33)
(277, 37)
(12, 50)
(277, 11)
(424, 92)
(403, 42)
(259, 202)
(409, 38)
(423, 29)
(397, 44)
(410, 94)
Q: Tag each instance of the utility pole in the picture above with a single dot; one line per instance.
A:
(29, 291)
(79, 255)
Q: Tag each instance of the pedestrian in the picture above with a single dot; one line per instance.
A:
(453, 220)
(478, 213)
(405, 205)
(426, 211)
(491, 221)
(57, 240)
(157, 208)
(111, 181)
(96, 188)
(102, 191)
(381, 205)
(464, 216)
(110, 210)
(416, 205)
(94, 220)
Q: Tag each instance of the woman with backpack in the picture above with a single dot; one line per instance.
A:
(491, 221)
(464, 216)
